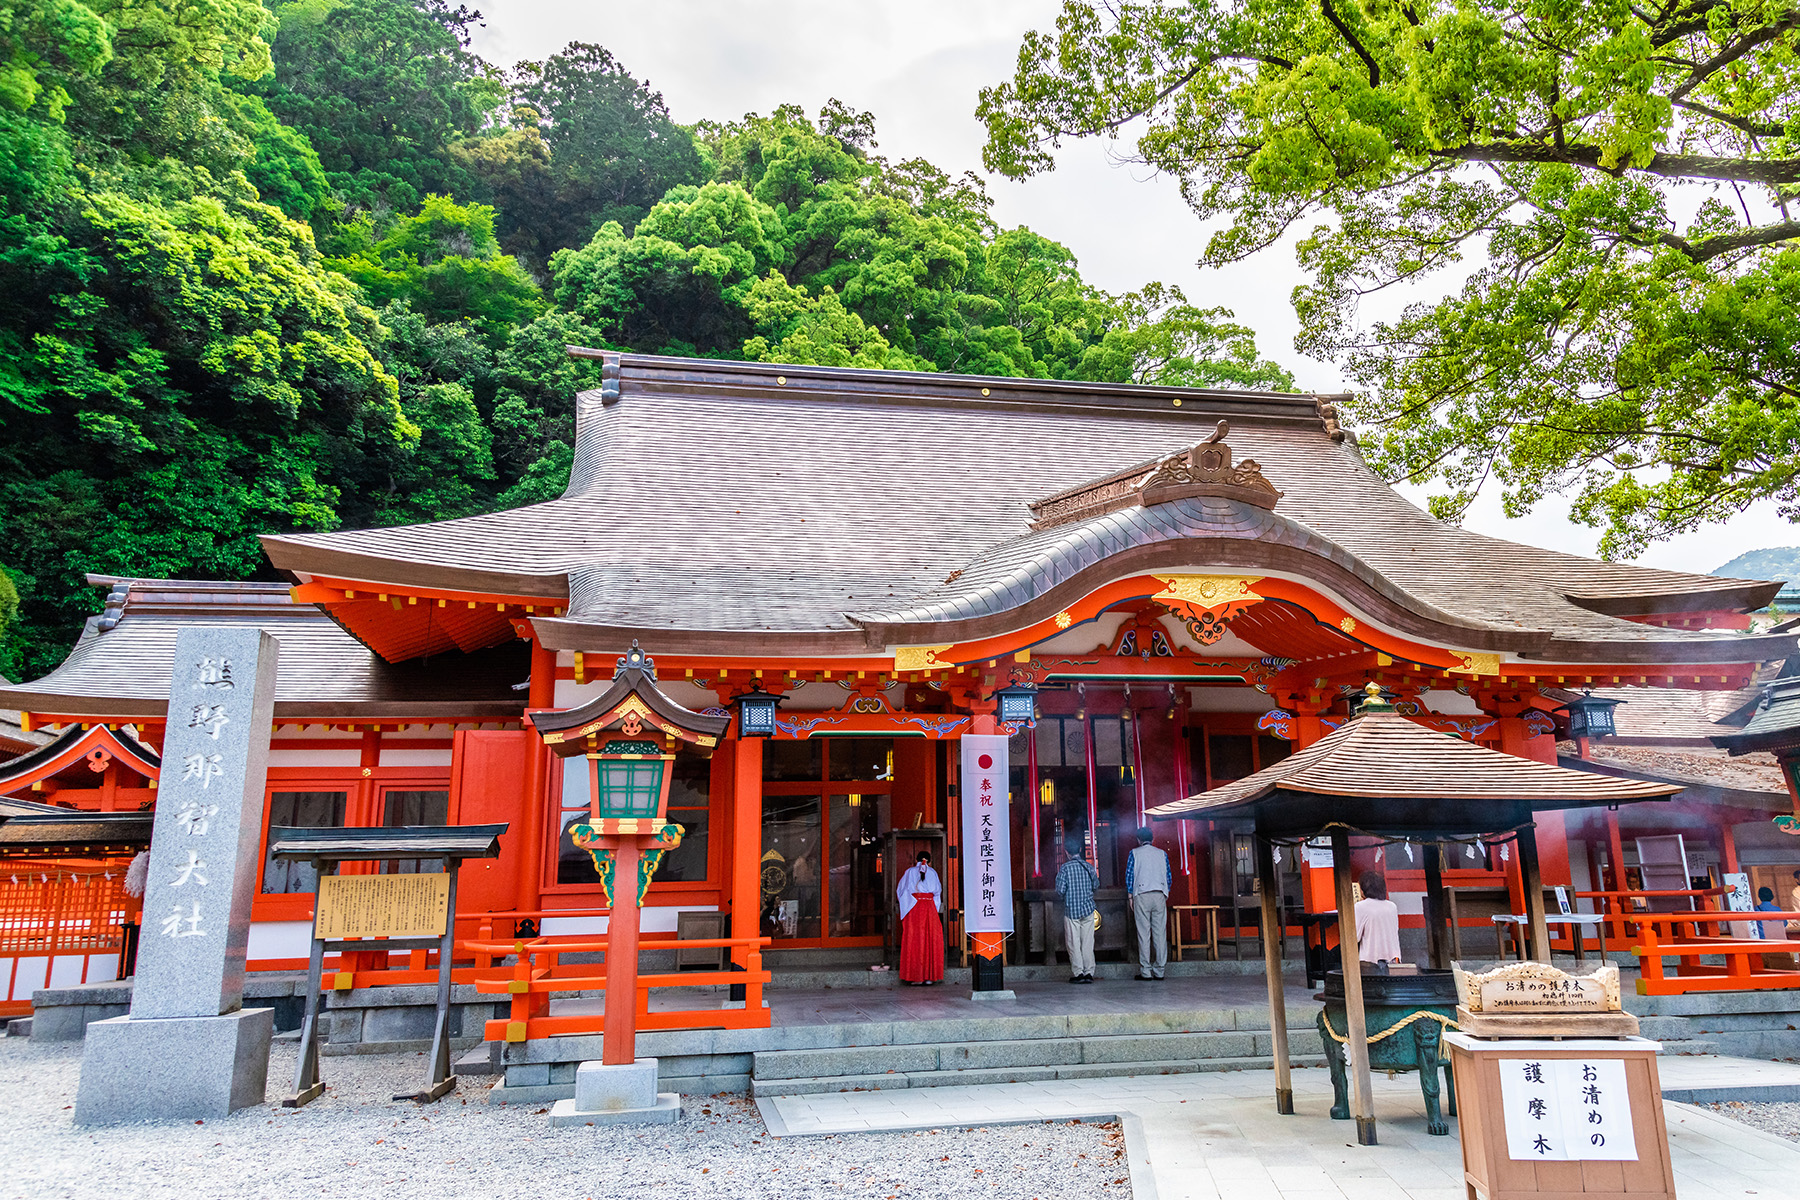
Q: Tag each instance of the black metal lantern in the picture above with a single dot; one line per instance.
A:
(1590, 716)
(1018, 705)
(756, 713)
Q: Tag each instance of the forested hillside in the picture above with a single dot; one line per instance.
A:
(314, 266)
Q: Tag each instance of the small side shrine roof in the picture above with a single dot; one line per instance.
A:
(632, 701)
(64, 831)
(69, 747)
(1774, 725)
(393, 841)
(1381, 771)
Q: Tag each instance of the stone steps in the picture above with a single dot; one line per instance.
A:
(837, 978)
(978, 1075)
(829, 1069)
(1763, 1025)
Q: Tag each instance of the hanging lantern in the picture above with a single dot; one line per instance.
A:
(1018, 705)
(756, 713)
(1590, 716)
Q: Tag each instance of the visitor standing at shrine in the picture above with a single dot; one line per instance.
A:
(1075, 883)
(1147, 883)
(921, 895)
(1377, 921)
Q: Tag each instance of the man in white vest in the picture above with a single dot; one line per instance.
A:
(1147, 883)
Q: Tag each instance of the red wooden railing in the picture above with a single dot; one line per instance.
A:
(1744, 968)
(538, 973)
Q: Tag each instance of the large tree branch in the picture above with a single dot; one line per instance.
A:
(1670, 166)
(1749, 126)
(1733, 52)
(1331, 15)
(1712, 247)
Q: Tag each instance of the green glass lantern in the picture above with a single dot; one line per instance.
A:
(628, 781)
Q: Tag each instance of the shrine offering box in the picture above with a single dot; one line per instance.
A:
(1571, 1119)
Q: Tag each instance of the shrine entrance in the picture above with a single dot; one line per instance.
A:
(827, 805)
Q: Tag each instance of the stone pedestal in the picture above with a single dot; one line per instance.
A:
(618, 1094)
(137, 1069)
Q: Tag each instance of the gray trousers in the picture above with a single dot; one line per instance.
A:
(1078, 940)
(1152, 912)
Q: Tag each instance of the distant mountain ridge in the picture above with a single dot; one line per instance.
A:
(1773, 562)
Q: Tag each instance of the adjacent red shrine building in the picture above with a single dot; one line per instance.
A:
(1194, 582)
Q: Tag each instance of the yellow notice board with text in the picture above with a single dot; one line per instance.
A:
(362, 906)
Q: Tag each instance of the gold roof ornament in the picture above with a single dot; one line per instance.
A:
(1206, 469)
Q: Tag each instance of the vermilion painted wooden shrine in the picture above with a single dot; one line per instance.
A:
(1192, 584)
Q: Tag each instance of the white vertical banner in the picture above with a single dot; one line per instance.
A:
(986, 835)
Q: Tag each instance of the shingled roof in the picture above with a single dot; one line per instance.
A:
(743, 508)
(119, 670)
(1381, 771)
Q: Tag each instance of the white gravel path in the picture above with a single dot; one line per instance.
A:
(354, 1142)
(1779, 1118)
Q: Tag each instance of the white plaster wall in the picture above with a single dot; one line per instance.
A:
(316, 758)
(280, 939)
(652, 920)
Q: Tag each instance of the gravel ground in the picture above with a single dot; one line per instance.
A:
(1782, 1119)
(354, 1142)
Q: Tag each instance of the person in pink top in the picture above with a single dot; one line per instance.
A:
(1377, 921)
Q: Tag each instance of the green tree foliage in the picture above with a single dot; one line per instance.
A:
(239, 298)
(382, 89)
(1622, 179)
(444, 261)
(588, 144)
(179, 370)
(810, 248)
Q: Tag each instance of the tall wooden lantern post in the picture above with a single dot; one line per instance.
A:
(629, 735)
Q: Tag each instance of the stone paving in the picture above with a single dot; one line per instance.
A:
(1207, 1137)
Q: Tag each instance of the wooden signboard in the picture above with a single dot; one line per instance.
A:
(1534, 999)
(1544, 995)
(365, 906)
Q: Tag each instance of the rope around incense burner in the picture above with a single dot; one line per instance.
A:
(1391, 1030)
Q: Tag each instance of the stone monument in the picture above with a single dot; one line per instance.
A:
(189, 1048)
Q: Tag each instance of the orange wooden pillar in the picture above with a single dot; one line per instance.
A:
(542, 776)
(746, 847)
(618, 1043)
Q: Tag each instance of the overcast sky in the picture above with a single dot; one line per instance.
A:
(918, 66)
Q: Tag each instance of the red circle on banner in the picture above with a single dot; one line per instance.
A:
(985, 761)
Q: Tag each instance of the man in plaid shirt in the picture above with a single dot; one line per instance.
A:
(1075, 884)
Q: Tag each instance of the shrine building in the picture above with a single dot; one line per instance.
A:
(1180, 586)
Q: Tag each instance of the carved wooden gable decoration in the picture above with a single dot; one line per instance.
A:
(1207, 469)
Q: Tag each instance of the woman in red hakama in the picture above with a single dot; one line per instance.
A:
(921, 896)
